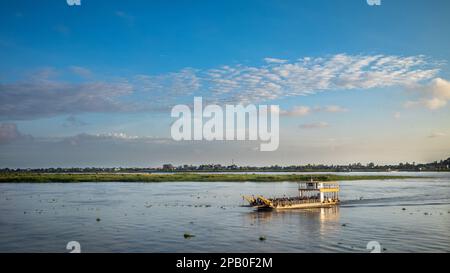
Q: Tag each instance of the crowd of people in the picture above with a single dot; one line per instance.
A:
(288, 201)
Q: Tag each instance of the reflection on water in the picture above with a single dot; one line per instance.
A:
(308, 220)
(403, 215)
(322, 215)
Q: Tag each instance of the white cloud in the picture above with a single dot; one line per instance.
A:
(312, 75)
(119, 135)
(397, 115)
(182, 83)
(435, 103)
(42, 95)
(434, 95)
(275, 61)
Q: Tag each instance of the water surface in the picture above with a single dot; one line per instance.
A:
(411, 215)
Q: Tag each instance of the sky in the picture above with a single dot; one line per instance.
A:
(94, 84)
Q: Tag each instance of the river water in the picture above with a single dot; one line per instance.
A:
(410, 215)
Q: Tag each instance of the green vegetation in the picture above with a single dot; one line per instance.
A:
(179, 177)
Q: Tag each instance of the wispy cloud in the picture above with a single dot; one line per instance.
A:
(299, 111)
(436, 134)
(81, 71)
(114, 137)
(308, 76)
(314, 125)
(334, 109)
(10, 133)
(42, 94)
(275, 61)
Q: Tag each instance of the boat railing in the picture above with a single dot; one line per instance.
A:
(308, 186)
(317, 185)
(328, 186)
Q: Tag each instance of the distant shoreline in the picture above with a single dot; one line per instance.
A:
(182, 177)
(303, 171)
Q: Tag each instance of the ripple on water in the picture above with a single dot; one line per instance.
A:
(402, 215)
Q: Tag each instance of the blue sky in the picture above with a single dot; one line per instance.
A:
(93, 84)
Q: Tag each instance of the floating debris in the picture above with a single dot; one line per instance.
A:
(262, 238)
(403, 209)
(344, 225)
(188, 236)
(98, 219)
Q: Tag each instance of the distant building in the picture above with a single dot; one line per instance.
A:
(168, 167)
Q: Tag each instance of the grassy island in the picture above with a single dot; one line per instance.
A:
(179, 177)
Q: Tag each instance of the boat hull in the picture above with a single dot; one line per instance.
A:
(298, 206)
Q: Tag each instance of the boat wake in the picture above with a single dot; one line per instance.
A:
(397, 201)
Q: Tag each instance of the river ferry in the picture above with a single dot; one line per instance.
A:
(312, 194)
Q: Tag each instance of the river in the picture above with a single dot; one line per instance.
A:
(408, 215)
